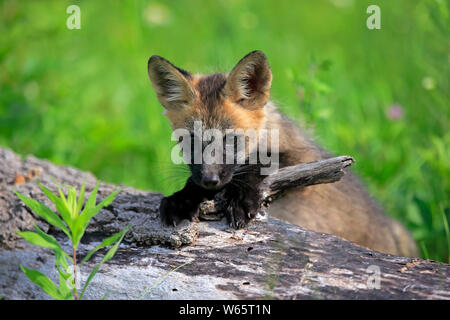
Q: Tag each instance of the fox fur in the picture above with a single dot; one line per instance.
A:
(240, 99)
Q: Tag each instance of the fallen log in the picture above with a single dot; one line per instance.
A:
(269, 259)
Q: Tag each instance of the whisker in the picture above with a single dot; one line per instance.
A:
(239, 181)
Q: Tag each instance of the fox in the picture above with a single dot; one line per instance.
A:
(240, 99)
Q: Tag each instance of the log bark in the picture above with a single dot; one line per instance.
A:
(305, 174)
(269, 259)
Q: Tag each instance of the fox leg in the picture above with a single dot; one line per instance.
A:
(243, 200)
(183, 204)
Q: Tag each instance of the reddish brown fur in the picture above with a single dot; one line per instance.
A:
(214, 109)
(344, 208)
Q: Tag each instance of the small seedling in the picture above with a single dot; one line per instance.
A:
(72, 219)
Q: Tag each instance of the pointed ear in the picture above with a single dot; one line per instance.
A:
(249, 82)
(171, 84)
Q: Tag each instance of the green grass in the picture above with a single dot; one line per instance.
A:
(82, 97)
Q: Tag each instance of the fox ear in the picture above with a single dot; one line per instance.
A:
(171, 84)
(249, 82)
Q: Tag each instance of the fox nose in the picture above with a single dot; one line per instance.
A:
(210, 181)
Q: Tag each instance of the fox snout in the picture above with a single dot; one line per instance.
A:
(212, 176)
(210, 181)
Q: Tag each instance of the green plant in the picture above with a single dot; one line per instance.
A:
(73, 219)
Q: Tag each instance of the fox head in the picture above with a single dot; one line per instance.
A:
(219, 101)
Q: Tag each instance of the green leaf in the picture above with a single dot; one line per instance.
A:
(49, 239)
(35, 239)
(65, 214)
(64, 290)
(44, 212)
(72, 202)
(107, 242)
(43, 282)
(82, 220)
(44, 240)
(65, 206)
(60, 254)
(81, 198)
(111, 252)
(109, 199)
(92, 212)
(52, 197)
(90, 203)
(39, 240)
(65, 274)
(88, 213)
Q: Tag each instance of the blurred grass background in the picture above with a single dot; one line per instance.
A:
(83, 98)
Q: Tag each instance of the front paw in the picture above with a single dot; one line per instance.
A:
(242, 207)
(174, 209)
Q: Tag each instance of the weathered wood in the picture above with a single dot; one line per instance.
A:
(270, 258)
(305, 174)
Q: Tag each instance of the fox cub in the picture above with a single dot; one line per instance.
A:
(240, 100)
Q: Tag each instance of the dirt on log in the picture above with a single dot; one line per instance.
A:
(269, 259)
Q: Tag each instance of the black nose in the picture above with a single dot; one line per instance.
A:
(210, 181)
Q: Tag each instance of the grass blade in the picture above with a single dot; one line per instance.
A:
(162, 279)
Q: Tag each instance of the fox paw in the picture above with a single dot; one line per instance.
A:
(242, 207)
(174, 209)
